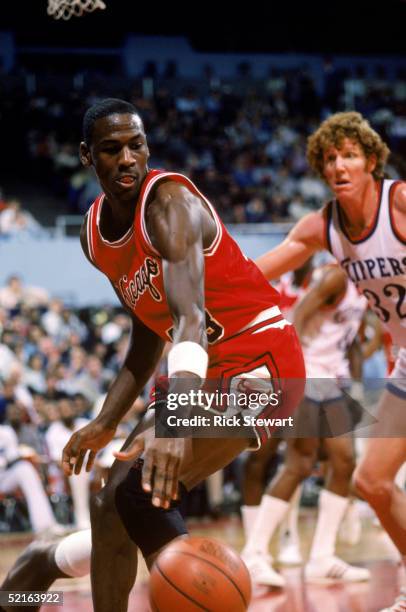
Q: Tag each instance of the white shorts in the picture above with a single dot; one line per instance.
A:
(397, 379)
(321, 382)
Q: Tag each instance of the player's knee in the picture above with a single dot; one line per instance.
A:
(302, 462)
(344, 465)
(150, 528)
(302, 467)
(376, 490)
(255, 468)
(102, 505)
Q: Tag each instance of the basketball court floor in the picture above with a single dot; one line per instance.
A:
(373, 551)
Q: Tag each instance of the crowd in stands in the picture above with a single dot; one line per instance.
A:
(242, 142)
(55, 367)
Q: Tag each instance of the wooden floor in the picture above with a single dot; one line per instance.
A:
(373, 552)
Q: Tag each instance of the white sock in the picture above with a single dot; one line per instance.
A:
(72, 555)
(214, 485)
(290, 524)
(249, 515)
(332, 508)
(270, 513)
(400, 477)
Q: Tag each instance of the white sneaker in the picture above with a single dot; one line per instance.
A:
(289, 554)
(333, 569)
(400, 603)
(261, 570)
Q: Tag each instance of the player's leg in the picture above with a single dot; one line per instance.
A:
(114, 554)
(289, 541)
(375, 480)
(299, 461)
(34, 570)
(253, 482)
(255, 467)
(43, 561)
(375, 475)
(122, 509)
(323, 565)
(153, 528)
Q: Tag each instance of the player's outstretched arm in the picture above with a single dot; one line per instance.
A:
(144, 352)
(326, 291)
(175, 226)
(307, 237)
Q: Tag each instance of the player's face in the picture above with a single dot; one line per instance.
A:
(119, 154)
(347, 170)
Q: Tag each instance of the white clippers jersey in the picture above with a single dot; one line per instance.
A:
(376, 263)
(330, 332)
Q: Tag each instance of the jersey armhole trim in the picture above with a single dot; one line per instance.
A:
(395, 231)
(367, 233)
(211, 249)
(89, 231)
(327, 219)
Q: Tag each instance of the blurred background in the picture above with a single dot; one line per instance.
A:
(228, 97)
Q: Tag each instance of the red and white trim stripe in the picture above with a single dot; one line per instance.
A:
(188, 183)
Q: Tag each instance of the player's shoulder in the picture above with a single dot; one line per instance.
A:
(399, 198)
(83, 237)
(169, 190)
(171, 202)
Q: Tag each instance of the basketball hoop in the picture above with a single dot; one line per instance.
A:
(65, 9)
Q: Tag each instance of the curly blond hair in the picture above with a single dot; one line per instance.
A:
(346, 125)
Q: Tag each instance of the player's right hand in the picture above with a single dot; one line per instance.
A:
(162, 459)
(92, 437)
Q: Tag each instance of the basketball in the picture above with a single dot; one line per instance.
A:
(196, 573)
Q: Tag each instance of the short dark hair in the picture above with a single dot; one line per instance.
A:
(104, 108)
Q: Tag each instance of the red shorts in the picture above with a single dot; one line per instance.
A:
(269, 353)
(243, 371)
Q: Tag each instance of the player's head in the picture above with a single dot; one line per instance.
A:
(352, 135)
(115, 144)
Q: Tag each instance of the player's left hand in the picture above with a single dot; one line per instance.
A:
(92, 437)
(162, 460)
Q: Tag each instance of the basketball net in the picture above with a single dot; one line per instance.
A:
(65, 9)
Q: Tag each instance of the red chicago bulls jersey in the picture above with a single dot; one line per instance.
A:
(235, 290)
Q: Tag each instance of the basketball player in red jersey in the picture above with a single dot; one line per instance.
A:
(182, 278)
(365, 229)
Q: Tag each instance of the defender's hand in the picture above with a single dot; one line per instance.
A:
(162, 459)
(92, 437)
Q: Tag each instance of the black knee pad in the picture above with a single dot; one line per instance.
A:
(149, 527)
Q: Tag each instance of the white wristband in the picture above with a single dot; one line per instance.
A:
(188, 357)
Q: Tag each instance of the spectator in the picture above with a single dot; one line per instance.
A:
(15, 294)
(18, 473)
(14, 220)
(56, 437)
